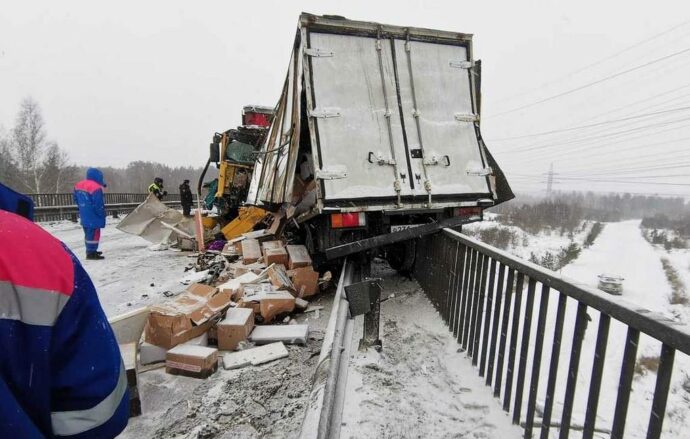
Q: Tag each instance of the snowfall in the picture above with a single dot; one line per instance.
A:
(420, 385)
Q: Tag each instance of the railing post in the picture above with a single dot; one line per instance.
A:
(597, 373)
(536, 361)
(663, 382)
(625, 384)
(578, 335)
(553, 366)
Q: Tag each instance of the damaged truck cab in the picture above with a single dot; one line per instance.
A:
(376, 138)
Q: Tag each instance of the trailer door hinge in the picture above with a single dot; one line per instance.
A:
(318, 53)
(324, 113)
(466, 117)
(461, 64)
(332, 173)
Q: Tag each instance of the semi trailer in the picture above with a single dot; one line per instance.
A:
(376, 138)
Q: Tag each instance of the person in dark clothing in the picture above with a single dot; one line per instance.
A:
(186, 198)
(156, 188)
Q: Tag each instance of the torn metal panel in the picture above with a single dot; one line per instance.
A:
(156, 222)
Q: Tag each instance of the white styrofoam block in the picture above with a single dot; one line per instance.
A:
(289, 334)
(254, 356)
(192, 350)
(149, 353)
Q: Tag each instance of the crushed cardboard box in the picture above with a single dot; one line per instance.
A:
(305, 281)
(187, 316)
(191, 360)
(269, 302)
(233, 286)
(279, 278)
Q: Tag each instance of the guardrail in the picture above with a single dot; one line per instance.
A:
(480, 293)
(58, 207)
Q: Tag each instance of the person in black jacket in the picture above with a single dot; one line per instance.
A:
(186, 198)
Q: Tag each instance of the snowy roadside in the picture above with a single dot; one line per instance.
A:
(262, 401)
(419, 386)
(131, 276)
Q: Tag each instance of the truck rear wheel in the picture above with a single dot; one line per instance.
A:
(400, 256)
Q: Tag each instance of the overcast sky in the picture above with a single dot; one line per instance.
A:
(123, 81)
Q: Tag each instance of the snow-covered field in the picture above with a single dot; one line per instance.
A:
(528, 244)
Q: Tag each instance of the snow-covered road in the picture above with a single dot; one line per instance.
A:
(131, 275)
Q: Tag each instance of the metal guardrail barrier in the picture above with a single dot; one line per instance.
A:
(58, 207)
(478, 290)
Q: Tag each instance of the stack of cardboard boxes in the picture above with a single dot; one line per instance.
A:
(267, 281)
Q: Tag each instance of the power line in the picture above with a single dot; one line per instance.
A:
(598, 137)
(590, 84)
(600, 61)
(543, 133)
(624, 181)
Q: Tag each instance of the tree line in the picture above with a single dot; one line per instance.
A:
(33, 163)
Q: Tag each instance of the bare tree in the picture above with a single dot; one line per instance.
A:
(58, 173)
(8, 168)
(29, 144)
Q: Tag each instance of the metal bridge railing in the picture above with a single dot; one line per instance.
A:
(58, 207)
(488, 299)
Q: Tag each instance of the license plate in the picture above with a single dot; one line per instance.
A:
(402, 227)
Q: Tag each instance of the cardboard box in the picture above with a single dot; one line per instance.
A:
(266, 245)
(266, 301)
(191, 360)
(305, 281)
(276, 256)
(185, 317)
(235, 328)
(251, 252)
(233, 286)
(279, 278)
(298, 256)
(274, 303)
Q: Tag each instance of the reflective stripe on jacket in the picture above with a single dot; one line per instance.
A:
(61, 374)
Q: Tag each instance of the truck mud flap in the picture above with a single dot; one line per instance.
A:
(391, 238)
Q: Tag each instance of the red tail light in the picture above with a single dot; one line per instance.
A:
(344, 220)
(467, 211)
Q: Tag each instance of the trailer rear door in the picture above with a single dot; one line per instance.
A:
(354, 101)
(440, 127)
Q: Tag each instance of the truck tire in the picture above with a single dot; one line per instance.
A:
(401, 256)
